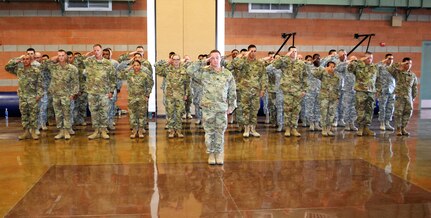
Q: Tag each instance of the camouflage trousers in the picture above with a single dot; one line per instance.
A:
(250, 107)
(265, 100)
(271, 107)
(80, 109)
(138, 108)
(215, 124)
(62, 111)
(312, 107)
(349, 109)
(29, 108)
(187, 104)
(72, 107)
(43, 110)
(99, 105)
(174, 111)
(339, 112)
(112, 108)
(403, 111)
(328, 109)
(364, 108)
(197, 97)
(239, 112)
(292, 108)
(386, 106)
(279, 106)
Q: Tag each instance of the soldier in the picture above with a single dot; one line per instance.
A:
(187, 103)
(366, 74)
(30, 90)
(253, 85)
(311, 104)
(348, 100)
(385, 85)
(64, 87)
(100, 88)
(267, 103)
(138, 80)
(233, 54)
(218, 100)
(406, 91)
(162, 65)
(275, 96)
(176, 93)
(107, 54)
(328, 96)
(197, 90)
(43, 104)
(294, 85)
(81, 101)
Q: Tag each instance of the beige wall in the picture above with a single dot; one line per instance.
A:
(187, 27)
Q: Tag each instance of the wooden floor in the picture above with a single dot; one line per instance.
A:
(270, 176)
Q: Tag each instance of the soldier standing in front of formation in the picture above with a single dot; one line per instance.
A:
(30, 90)
(253, 83)
(406, 91)
(176, 93)
(64, 87)
(366, 75)
(139, 80)
(385, 85)
(218, 100)
(294, 85)
(328, 96)
(100, 88)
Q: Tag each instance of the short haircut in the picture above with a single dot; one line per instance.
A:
(77, 53)
(69, 53)
(250, 47)
(368, 53)
(332, 51)
(308, 56)
(97, 45)
(61, 50)
(106, 49)
(215, 51)
(171, 54)
(243, 50)
(316, 55)
(140, 46)
(45, 55)
(234, 50)
(292, 46)
(271, 53)
(331, 62)
(31, 49)
(407, 59)
(138, 54)
(341, 50)
(387, 55)
(137, 61)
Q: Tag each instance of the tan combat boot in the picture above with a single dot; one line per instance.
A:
(219, 158)
(330, 133)
(324, 132)
(311, 126)
(246, 133)
(317, 126)
(95, 134)
(24, 135)
(253, 131)
(404, 131)
(134, 132)
(104, 133)
(71, 131)
(360, 131)
(33, 134)
(353, 127)
(347, 127)
(367, 131)
(211, 159)
(141, 133)
(60, 134)
(388, 126)
(382, 126)
(179, 134)
(399, 131)
(295, 132)
(44, 127)
(171, 133)
(66, 134)
(287, 132)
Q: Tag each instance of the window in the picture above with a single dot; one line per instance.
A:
(270, 8)
(87, 5)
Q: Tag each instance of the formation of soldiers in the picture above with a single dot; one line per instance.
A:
(324, 93)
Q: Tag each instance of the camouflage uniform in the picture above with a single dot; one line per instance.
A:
(365, 89)
(339, 119)
(406, 91)
(100, 82)
(64, 83)
(197, 91)
(218, 95)
(161, 66)
(385, 85)
(46, 100)
(29, 87)
(80, 108)
(328, 96)
(238, 111)
(254, 79)
(275, 96)
(139, 89)
(311, 100)
(112, 108)
(348, 100)
(293, 84)
(175, 90)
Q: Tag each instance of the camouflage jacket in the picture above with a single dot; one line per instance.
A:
(219, 88)
(274, 76)
(330, 88)
(366, 76)
(100, 76)
(64, 80)
(294, 77)
(407, 82)
(139, 84)
(29, 79)
(385, 82)
(176, 80)
(313, 83)
(252, 74)
(78, 62)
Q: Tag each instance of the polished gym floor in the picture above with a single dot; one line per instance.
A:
(271, 176)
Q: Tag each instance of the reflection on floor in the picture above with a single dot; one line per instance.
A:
(270, 176)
